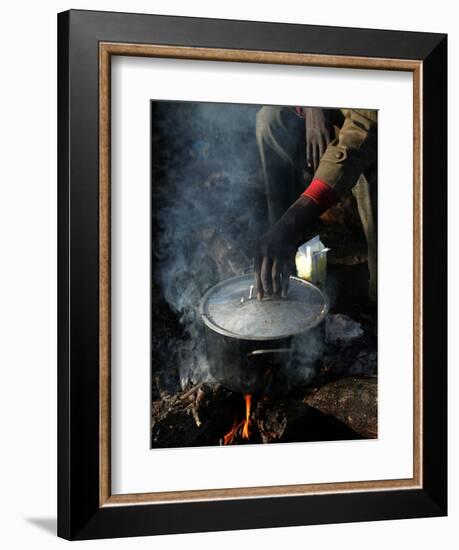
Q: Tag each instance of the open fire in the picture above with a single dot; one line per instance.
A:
(242, 427)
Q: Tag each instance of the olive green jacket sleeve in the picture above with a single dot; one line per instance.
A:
(352, 152)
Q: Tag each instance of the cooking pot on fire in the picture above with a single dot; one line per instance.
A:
(249, 342)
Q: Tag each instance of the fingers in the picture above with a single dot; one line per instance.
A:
(263, 277)
(318, 149)
(315, 156)
(322, 147)
(266, 275)
(286, 272)
(272, 276)
(308, 153)
(276, 276)
(258, 284)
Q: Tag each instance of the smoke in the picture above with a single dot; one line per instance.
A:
(307, 348)
(208, 203)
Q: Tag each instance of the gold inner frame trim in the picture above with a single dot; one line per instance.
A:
(106, 51)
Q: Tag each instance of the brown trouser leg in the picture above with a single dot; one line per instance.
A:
(365, 193)
(281, 142)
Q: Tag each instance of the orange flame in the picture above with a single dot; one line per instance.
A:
(242, 426)
(245, 429)
(229, 437)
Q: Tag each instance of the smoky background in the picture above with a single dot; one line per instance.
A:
(208, 205)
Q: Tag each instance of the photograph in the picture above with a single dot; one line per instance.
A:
(229, 305)
(263, 274)
(251, 330)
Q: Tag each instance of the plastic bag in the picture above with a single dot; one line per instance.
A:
(311, 261)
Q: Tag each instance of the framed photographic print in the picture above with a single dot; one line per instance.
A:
(252, 319)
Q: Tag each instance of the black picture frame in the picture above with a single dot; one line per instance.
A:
(80, 514)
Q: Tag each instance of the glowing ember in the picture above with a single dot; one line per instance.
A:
(241, 427)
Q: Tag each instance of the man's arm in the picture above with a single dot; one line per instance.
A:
(344, 160)
(351, 153)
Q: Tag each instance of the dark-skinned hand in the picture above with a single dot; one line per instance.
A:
(276, 249)
(319, 133)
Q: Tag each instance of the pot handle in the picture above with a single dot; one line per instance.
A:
(259, 352)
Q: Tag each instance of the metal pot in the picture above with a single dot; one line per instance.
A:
(249, 342)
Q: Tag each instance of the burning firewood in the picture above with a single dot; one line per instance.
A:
(219, 416)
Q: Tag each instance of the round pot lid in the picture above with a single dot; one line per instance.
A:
(228, 309)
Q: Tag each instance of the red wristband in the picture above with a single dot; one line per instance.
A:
(322, 194)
